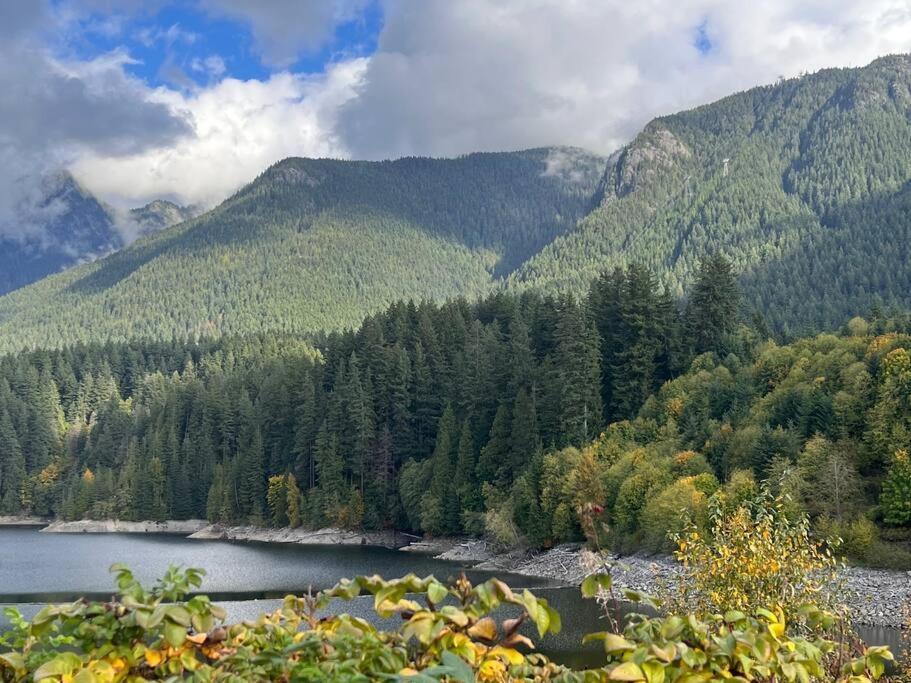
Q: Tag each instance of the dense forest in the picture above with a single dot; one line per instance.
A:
(804, 184)
(421, 399)
(503, 416)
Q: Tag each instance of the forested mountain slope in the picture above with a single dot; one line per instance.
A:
(317, 244)
(804, 184)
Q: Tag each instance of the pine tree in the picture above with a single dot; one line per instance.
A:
(440, 505)
(578, 370)
(524, 438)
(12, 466)
(465, 482)
(896, 493)
(711, 313)
(330, 470)
(494, 460)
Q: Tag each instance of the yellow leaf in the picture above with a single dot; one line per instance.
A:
(153, 658)
(512, 656)
(628, 671)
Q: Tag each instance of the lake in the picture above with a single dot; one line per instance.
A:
(246, 578)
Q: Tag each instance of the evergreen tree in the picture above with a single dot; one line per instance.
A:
(711, 313)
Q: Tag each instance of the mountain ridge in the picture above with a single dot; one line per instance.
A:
(803, 184)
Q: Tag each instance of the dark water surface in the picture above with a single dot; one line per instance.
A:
(250, 578)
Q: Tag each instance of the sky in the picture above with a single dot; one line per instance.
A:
(190, 99)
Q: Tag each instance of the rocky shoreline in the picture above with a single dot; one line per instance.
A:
(875, 597)
(23, 520)
(328, 536)
(183, 527)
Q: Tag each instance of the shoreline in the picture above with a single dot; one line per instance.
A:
(875, 597)
(182, 527)
(23, 520)
(301, 536)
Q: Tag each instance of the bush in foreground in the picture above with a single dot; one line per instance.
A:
(447, 633)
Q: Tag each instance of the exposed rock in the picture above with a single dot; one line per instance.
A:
(113, 526)
(328, 536)
(468, 551)
(23, 520)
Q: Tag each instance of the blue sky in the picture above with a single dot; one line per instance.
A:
(178, 39)
(191, 99)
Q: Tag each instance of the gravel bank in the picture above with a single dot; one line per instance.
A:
(875, 597)
(184, 527)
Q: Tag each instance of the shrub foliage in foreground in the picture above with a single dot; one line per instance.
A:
(446, 633)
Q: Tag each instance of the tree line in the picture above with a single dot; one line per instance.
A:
(412, 421)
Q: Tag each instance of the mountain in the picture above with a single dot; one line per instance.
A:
(72, 226)
(316, 244)
(805, 184)
(160, 214)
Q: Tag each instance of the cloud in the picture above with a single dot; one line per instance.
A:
(285, 29)
(241, 127)
(447, 78)
(452, 77)
(54, 111)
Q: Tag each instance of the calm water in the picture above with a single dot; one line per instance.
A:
(249, 578)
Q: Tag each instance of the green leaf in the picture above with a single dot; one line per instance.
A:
(436, 593)
(12, 660)
(63, 664)
(458, 668)
(627, 671)
(175, 634)
(654, 671)
(594, 583)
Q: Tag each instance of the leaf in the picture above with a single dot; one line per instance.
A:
(458, 670)
(594, 583)
(654, 672)
(617, 643)
(627, 671)
(514, 657)
(485, 629)
(62, 665)
(12, 660)
(436, 593)
(175, 634)
(455, 615)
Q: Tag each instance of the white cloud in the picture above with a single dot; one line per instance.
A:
(451, 77)
(54, 111)
(284, 29)
(213, 65)
(241, 127)
(447, 78)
